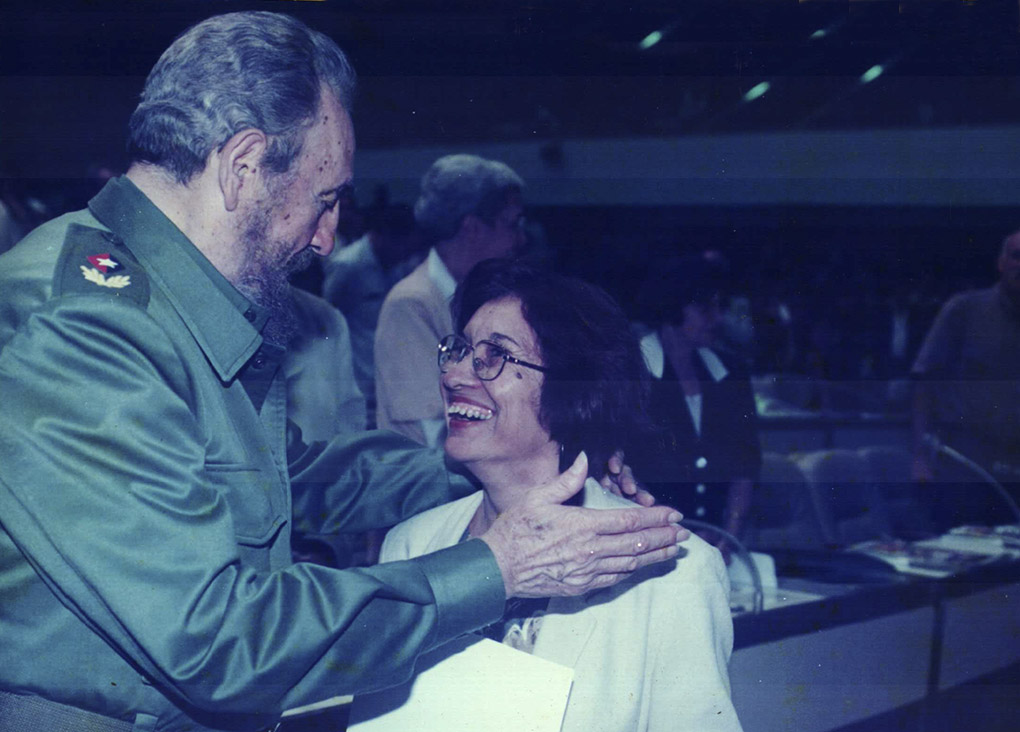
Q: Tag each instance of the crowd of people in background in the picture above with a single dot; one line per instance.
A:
(817, 330)
(820, 324)
(835, 325)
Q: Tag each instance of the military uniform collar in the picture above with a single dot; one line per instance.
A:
(223, 322)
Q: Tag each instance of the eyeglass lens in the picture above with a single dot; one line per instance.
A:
(487, 359)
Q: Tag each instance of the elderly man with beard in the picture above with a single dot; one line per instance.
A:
(149, 480)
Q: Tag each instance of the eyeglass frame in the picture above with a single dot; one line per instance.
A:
(446, 346)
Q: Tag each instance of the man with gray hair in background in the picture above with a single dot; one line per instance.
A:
(471, 209)
(149, 479)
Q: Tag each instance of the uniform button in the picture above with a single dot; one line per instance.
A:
(700, 511)
(700, 463)
(249, 315)
(700, 488)
(259, 361)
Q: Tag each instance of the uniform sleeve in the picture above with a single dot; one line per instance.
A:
(407, 378)
(692, 637)
(105, 490)
(369, 481)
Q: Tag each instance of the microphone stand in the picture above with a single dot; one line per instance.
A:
(956, 456)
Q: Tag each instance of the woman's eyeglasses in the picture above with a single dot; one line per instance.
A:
(487, 358)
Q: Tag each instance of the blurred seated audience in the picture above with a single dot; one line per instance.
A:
(357, 278)
(708, 455)
(470, 209)
(543, 367)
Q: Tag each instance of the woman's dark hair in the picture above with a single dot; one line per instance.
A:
(677, 282)
(595, 392)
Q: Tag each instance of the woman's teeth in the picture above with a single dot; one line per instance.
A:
(468, 411)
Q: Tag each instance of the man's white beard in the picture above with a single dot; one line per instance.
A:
(265, 273)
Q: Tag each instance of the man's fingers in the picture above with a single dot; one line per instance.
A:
(545, 549)
(610, 570)
(616, 462)
(627, 520)
(619, 479)
(626, 565)
(635, 544)
(627, 483)
(569, 482)
(644, 498)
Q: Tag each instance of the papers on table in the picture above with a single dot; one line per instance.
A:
(960, 549)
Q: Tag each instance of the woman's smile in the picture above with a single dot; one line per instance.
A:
(460, 411)
(493, 422)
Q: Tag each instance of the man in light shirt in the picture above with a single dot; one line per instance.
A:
(471, 209)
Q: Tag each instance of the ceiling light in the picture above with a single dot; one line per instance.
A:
(873, 73)
(650, 40)
(756, 91)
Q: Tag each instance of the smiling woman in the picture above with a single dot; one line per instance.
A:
(594, 387)
(510, 447)
(546, 366)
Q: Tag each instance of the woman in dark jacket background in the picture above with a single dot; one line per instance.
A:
(707, 456)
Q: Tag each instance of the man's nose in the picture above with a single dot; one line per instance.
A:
(325, 232)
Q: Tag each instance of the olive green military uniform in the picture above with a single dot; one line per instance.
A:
(149, 481)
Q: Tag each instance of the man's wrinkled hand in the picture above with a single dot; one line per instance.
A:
(545, 549)
(619, 479)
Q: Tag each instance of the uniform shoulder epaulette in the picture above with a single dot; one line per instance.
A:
(96, 261)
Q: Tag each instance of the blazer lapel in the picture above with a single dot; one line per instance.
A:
(566, 629)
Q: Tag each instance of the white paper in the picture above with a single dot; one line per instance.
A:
(470, 685)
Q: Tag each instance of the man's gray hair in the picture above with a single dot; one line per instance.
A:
(458, 185)
(233, 72)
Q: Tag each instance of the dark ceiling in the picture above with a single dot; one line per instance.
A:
(440, 72)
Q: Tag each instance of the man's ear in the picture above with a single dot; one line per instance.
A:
(239, 160)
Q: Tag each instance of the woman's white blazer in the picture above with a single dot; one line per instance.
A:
(649, 654)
